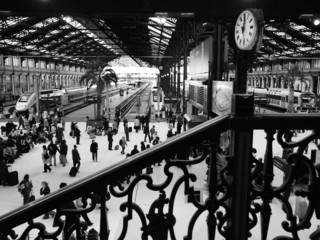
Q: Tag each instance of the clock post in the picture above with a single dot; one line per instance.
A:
(248, 34)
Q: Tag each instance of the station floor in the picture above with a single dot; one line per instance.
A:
(31, 163)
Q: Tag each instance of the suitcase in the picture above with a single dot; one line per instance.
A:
(12, 178)
(73, 172)
(116, 147)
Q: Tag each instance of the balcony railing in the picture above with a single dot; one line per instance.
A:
(240, 188)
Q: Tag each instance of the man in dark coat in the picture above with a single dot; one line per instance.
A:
(76, 157)
(52, 152)
(63, 152)
(105, 126)
(94, 150)
(110, 138)
(59, 135)
(126, 131)
(77, 134)
(70, 219)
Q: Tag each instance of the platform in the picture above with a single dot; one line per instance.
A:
(31, 163)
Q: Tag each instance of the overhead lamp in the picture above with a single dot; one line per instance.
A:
(314, 18)
(316, 21)
(163, 20)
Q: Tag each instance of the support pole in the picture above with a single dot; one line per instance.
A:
(241, 145)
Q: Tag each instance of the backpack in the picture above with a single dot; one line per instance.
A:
(22, 188)
(120, 142)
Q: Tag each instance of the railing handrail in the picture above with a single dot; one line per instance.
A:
(109, 174)
(95, 181)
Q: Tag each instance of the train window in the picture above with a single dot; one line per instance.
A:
(25, 97)
(307, 99)
(46, 91)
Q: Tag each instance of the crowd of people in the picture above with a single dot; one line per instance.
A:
(19, 139)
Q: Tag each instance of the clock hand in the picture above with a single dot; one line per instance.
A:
(243, 27)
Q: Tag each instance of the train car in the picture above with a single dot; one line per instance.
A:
(157, 94)
(28, 99)
(279, 98)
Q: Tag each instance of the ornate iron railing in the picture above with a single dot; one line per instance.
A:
(240, 188)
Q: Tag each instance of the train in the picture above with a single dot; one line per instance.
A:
(157, 94)
(278, 98)
(54, 96)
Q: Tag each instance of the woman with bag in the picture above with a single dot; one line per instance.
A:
(25, 188)
(45, 159)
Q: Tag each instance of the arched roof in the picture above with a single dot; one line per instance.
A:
(80, 30)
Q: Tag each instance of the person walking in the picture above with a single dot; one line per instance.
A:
(125, 122)
(137, 123)
(25, 188)
(63, 153)
(179, 123)
(126, 131)
(94, 150)
(110, 138)
(152, 131)
(173, 120)
(115, 127)
(53, 149)
(45, 159)
(146, 132)
(123, 144)
(77, 134)
(142, 122)
(72, 127)
(21, 122)
(118, 122)
(63, 123)
(45, 190)
(59, 135)
(70, 219)
(76, 157)
(87, 122)
(105, 126)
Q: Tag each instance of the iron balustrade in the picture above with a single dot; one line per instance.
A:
(239, 192)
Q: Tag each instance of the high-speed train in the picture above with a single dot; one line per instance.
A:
(279, 97)
(28, 99)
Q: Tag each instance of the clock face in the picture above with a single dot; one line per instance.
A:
(245, 31)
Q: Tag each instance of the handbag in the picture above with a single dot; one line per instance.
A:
(46, 155)
(31, 196)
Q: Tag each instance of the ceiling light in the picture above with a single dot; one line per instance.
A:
(316, 21)
(163, 20)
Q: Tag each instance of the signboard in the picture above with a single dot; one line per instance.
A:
(200, 57)
(222, 97)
